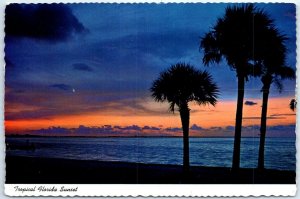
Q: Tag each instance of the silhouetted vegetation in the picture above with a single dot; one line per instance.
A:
(179, 85)
(273, 53)
(235, 39)
(293, 104)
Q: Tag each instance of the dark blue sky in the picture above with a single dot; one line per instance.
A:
(126, 40)
(115, 51)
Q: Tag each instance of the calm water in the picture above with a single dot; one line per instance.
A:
(279, 152)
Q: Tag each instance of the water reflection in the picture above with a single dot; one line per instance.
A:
(280, 152)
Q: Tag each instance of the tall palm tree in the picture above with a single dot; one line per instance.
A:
(233, 39)
(273, 52)
(179, 85)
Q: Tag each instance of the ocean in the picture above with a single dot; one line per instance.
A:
(280, 153)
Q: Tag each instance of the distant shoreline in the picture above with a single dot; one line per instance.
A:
(30, 170)
(64, 136)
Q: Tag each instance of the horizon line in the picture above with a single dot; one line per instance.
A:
(134, 136)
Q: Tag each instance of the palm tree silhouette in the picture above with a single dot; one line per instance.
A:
(233, 38)
(179, 85)
(273, 52)
(293, 104)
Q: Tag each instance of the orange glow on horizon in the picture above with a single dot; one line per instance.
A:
(205, 116)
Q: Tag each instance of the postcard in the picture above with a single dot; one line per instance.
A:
(150, 99)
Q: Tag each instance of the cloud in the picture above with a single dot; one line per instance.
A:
(284, 114)
(82, 67)
(250, 103)
(51, 22)
(135, 130)
(132, 127)
(271, 117)
(229, 128)
(105, 130)
(150, 128)
(196, 128)
(216, 128)
(34, 102)
(258, 118)
(175, 129)
(64, 87)
(81, 130)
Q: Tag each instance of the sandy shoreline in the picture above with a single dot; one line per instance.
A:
(29, 170)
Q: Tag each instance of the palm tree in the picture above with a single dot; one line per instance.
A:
(293, 104)
(179, 85)
(273, 53)
(233, 39)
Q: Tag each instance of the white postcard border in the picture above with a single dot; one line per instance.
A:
(148, 190)
(125, 190)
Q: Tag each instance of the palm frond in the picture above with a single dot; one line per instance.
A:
(293, 104)
(285, 72)
(182, 83)
(240, 38)
(278, 84)
(172, 107)
(272, 50)
(211, 52)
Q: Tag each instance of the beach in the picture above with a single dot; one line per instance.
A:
(36, 170)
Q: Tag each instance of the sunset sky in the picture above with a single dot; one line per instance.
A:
(86, 69)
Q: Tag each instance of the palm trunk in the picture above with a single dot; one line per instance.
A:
(238, 124)
(263, 126)
(185, 120)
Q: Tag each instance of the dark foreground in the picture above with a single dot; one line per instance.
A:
(25, 170)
